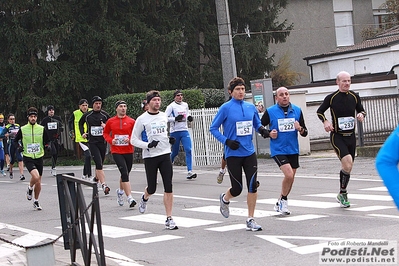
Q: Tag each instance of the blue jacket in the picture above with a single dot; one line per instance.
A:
(286, 142)
(239, 120)
(387, 165)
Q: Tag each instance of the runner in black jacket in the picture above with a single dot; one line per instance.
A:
(95, 120)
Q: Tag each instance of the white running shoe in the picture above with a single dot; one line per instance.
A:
(191, 175)
(224, 207)
(142, 204)
(170, 224)
(37, 206)
(253, 226)
(220, 176)
(282, 207)
(132, 202)
(119, 197)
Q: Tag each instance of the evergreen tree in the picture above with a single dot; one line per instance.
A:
(56, 52)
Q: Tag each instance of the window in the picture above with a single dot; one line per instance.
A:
(343, 28)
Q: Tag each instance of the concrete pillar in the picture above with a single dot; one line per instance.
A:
(226, 43)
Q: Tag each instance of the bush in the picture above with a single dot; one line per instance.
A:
(193, 97)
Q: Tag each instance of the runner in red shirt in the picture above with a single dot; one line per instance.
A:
(117, 132)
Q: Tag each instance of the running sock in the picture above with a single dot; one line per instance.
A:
(145, 200)
(227, 202)
(343, 179)
(30, 188)
(284, 197)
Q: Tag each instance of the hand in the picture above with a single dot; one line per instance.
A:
(72, 134)
(179, 118)
(172, 140)
(153, 144)
(47, 147)
(328, 126)
(360, 117)
(264, 132)
(232, 144)
(20, 148)
(273, 134)
(190, 118)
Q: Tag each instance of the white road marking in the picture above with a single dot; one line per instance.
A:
(371, 208)
(156, 239)
(296, 218)
(160, 219)
(383, 189)
(228, 228)
(354, 196)
(114, 231)
(302, 203)
(233, 211)
(384, 216)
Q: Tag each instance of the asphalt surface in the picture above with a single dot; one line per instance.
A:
(318, 164)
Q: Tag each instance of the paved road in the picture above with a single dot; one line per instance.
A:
(204, 236)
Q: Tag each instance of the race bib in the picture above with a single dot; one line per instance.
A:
(52, 125)
(96, 131)
(33, 148)
(158, 128)
(244, 128)
(286, 124)
(121, 140)
(346, 123)
(13, 133)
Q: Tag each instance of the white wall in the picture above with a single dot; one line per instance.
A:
(376, 61)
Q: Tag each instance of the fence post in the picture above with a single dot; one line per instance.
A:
(360, 133)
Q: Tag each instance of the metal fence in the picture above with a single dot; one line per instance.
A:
(382, 118)
(206, 149)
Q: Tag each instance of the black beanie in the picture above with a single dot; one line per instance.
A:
(50, 107)
(82, 101)
(96, 99)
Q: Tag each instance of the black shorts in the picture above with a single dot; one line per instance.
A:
(292, 159)
(343, 145)
(32, 164)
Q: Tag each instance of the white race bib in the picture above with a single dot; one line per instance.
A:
(33, 148)
(121, 140)
(286, 124)
(96, 131)
(52, 125)
(158, 128)
(346, 123)
(244, 128)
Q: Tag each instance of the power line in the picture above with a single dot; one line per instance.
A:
(306, 29)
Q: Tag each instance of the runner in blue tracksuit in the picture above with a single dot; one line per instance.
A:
(239, 120)
(387, 161)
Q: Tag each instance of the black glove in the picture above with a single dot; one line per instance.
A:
(233, 144)
(179, 118)
(20, 148)
(172, 140)
(190, 118)
(153, 144)
(264, 132)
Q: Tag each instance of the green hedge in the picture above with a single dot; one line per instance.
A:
(196, 99)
